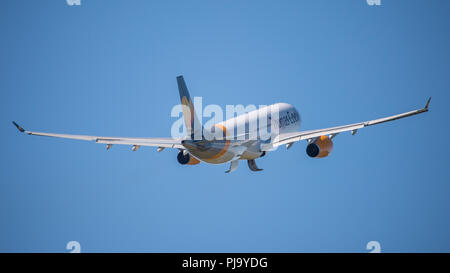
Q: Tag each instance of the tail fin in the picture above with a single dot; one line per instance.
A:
(193, 125)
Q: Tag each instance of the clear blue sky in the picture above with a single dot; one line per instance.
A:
(109, 68)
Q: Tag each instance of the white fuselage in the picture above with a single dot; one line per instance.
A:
(244, 134)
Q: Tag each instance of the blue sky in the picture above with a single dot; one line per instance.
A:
(109, 68)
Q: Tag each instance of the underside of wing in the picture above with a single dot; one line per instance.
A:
(156, 142)
(136, 142)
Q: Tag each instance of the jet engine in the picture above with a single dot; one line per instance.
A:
(321, 147)
(186, 159)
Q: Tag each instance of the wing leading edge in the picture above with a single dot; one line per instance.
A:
(155, 142)
(290, 138)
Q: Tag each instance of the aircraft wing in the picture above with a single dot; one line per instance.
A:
(156, 142)
(290, 138)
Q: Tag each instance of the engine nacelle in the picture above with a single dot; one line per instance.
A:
(186, 159)
(321, 147)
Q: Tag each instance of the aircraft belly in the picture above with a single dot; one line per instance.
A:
(215, 153)
(248, 155)
(228, 156)
(214, 157)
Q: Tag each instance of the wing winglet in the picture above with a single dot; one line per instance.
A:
(428, 103)
(18, 127)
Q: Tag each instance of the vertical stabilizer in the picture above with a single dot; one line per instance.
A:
(193, 125)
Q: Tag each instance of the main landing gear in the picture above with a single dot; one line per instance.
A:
(251, 164)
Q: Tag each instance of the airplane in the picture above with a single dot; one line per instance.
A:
(192, 150)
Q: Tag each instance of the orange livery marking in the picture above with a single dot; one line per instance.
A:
(227, 142)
